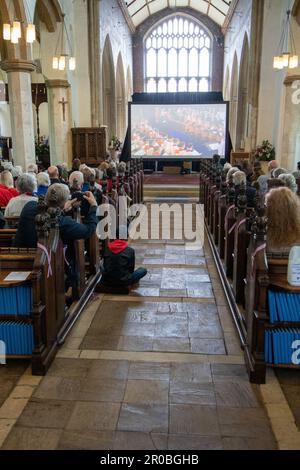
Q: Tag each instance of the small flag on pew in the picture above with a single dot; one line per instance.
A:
(16, 300)
(18, 338)
(284, 307)
(280, 345)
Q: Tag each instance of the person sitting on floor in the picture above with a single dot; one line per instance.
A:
(118, 268)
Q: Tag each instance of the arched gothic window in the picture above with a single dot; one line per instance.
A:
(178, 56)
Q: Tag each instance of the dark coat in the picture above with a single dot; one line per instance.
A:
(118, 264)
(69, 229)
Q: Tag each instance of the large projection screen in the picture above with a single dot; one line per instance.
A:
(171, 131)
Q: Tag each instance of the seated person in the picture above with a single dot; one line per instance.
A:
(296, 174)
(257, 172)
(7, 182)
(239, 178)
(5, 197)
(76, 182)
(279, 171)
(32, 168)
(53, 174)
(283, 212)
(289, 181)
(263, 179)
(26, 186)
(75, 165)
(119, 265)
(43, 182)
(58, 196)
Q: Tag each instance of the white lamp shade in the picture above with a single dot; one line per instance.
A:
(293, 62)
(55, 63)
(62, 62)
(16, 29)
(285, 59)
(276, 62)
(72, 63)
(6, 32)
(14, 37)
(30, 33)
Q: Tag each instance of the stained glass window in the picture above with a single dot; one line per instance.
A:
(178, 56)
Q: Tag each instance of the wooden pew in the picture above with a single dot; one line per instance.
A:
(6, 237)
(230, 219)
(47, 314)
(241, 242)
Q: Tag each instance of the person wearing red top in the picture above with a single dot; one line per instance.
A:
(5, 197)
(7, 183)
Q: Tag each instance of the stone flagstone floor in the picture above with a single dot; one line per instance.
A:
(159, 369)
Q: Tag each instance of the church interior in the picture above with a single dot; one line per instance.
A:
(177, 122)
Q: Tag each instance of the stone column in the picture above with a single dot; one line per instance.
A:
(290, 153)
(94, 60)
(60, 121)
(20, 101)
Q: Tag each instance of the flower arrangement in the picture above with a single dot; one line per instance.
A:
(265, 152)
(115, 143)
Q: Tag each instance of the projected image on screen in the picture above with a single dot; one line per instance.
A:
(165, 131)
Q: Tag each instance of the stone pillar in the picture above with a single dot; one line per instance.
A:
(60, 121)
(94, 60)
(257, 19)
(20, 101)
(290, 152)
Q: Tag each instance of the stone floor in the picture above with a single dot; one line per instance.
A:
(159, 369)
(290, 384)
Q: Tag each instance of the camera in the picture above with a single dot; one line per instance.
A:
(79, 196)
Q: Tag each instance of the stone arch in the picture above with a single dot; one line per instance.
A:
(9, 11)
(49, 12)
(121, 98)
(108, 88)
(242, 108)
(234, 87)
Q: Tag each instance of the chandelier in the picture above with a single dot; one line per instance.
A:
(12, 32)
(59, 61)
(287, 55)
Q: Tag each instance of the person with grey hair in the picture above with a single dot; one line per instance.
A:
(230, 173)
(7, 182)
(279, 171)
(76, 181)
(58, 196)
(26, 186)
(239, 178)
(289, 181)
(32, 168)
(43, 183)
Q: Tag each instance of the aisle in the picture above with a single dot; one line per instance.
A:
(159, 369)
